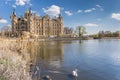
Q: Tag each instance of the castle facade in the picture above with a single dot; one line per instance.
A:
(37, 25)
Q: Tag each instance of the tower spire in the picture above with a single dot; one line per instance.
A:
(30, 8)
(14, 11)
(60, 15)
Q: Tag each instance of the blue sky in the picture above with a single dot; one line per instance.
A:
(95, 15)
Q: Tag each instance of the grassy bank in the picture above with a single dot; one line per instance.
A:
(13, 60)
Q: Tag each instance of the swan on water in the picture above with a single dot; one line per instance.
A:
(74, 73)
(37, 69)
(48, 77)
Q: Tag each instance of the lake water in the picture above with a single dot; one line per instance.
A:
(94, 59)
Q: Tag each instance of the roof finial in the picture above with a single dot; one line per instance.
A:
(30, 9)
(60, 15)
(14, 11)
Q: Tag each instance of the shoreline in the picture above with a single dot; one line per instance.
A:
(67, 39)
(111, 38)
(55, 39)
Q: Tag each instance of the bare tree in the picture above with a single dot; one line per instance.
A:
(80, 31)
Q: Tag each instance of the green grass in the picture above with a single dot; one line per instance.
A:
(2, 77)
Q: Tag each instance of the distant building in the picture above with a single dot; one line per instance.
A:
(68, 32)
(37, 25)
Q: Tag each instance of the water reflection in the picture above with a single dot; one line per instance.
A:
(47, 55)
(94, 59)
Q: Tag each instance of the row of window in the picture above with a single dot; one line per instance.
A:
(47, 24)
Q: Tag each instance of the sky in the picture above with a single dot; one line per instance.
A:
(95, 15)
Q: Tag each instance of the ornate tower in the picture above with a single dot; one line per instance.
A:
(13, 18)
(30, 21)
(60, 20)
(26, 14)
(28, 17)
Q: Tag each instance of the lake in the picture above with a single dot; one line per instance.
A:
(94, 59)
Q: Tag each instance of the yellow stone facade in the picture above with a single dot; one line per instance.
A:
(37, 25)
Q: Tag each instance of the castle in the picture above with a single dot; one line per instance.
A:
(37, 25)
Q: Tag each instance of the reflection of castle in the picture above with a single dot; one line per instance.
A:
(52, 53)
(41, 26)
(48, 52)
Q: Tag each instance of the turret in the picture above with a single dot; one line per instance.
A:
(13, 18)
(13, 14)
(60, 17)
(28, 13)
(60, 20)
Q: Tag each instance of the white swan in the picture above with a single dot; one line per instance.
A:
(48, 77)
(74, 73)
(37, 69)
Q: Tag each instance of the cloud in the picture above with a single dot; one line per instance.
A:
(116, 16)
(53, 10)
(79, 11)
(3, 21)
(100, 7)
(68, 13)
(89, 10)
(14, 6)
(22, 2)
(7, 1)
(93, 9)
(91, 25)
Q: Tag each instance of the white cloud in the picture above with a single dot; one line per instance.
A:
(91, 25)
(68, 13)
(14, 6)
(53, 10)
(7, 1)
(93, 9)
(89, 10)
(3, 21)
(79, 11)
(116, 16)
(22, 2)
(100, 7)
